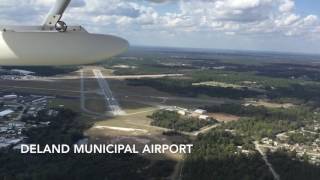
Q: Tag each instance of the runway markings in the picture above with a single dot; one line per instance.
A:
(112, 103)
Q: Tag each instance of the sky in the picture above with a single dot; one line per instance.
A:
(263, 25)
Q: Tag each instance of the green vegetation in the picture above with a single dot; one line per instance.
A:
(216, 156)
(184, 87)
(265, 77)
(259, 128)
(141, 66)
(262, 122)
(46, 70)
(218, 84)
(16, 166)
(240, 77)
(302, 138)
(216, 148)
(256, 85)
(253, 85)
(306, 92)
(64, 128)
(302, 71)
(67, 128)
(144, 70)
(173, 120)
(290, 167)
(292, 114)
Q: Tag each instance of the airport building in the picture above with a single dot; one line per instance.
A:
(6, 113)
(200, 111)
(9, 97)
(22, 72)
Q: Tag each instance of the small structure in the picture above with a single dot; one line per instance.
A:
(42, 99)
(182, 112)
(203, 117)
(10, 97)
(22, 72)
(6, 112)
(200, 111)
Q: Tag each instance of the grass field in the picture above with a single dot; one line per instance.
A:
(67, 103)
(218, 84)
(270, 104)
(133, 128)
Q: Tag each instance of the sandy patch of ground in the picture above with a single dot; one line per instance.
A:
(218, 84)
(270, 104)
(121, 129)
(221, 117)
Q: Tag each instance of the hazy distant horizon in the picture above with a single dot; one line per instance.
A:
(212, 50)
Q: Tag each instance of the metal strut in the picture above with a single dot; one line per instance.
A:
(53, 19)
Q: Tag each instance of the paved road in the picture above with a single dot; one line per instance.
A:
(205, 129)
(83, 98)
(144, 76)
(162, 99)
(265, 158)
(70, 77)
(112, 103)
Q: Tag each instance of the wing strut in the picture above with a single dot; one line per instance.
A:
(54, 16)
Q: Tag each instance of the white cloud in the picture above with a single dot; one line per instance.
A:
(243, 17)
(237, 16)
(287, 6)
(229, 17)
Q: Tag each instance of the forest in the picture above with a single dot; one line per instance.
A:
(291, 167)
(216, 156)
(293, 81)
(45, 70)
(172, 120)
(67, 129)
(185, 88)
(258, 122)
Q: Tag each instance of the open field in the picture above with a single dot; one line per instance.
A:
(137, 102)
(250, 99)
(137, 121)
(270, 104)
(58, 88)
(132, 128)
(67, 103)
(96, 105)
(218, 84)
(128, 96)
(222, 117)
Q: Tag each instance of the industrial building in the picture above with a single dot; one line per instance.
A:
(6, 113)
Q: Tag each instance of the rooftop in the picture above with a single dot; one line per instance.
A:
(6, 112)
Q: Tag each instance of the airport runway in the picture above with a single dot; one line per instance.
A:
(82, 97)
(70, 77)
(112, 103)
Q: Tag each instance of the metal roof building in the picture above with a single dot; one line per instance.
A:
(6, 112)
